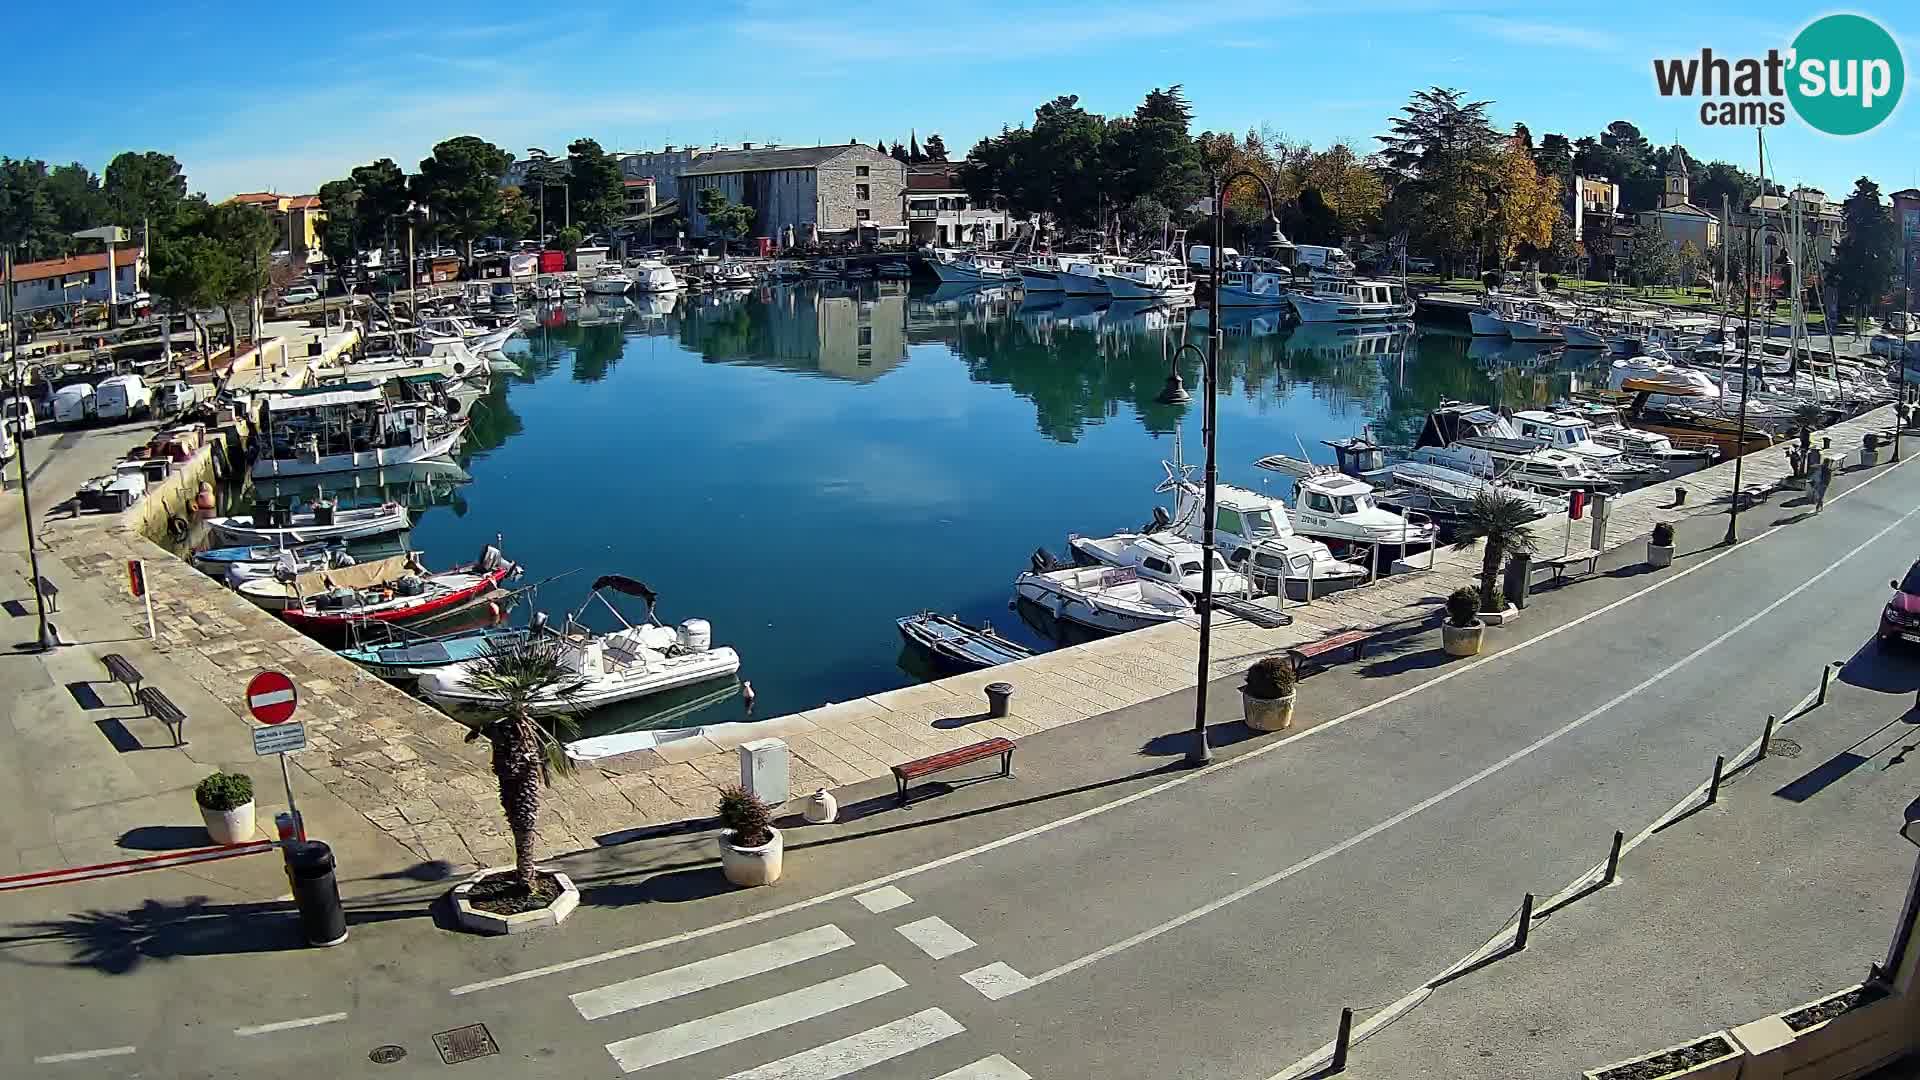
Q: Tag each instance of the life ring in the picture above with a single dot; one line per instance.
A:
(177, 527)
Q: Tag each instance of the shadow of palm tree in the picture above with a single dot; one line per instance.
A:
(119, 942)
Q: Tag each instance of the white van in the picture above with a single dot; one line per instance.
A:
(122, 396)
(177, 396)
(1331, 259)
(73, 404)
(1200, 256)
(17, 416)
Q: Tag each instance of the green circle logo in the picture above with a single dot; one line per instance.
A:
(1847, 74)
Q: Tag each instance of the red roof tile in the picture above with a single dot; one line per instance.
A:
(78, 264)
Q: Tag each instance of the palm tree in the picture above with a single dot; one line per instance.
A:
(527, 750)
(1500, 520)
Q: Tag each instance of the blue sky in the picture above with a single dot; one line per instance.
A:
(285, 97)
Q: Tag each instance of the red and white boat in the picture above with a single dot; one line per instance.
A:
(392, 590)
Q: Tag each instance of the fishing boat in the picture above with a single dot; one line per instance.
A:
(340, 429)
(1041, 273)
(1251, 282)
(274, 527)
(1258, 537)
(627, 664)
(1161, 279)
(955, 646)
(1087, 276)
(1162, 557)
(1330, 505)
(406, 661)
(478, 339)
(1109, 599)
(974, 268)
(214, 561)
(1345, 299)
(287, 564)
(392, 590)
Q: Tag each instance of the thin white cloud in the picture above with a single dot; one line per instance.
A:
(1552, 35)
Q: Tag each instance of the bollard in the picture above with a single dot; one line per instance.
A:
(1613, 859)
(999, 695)
(1679, 495)
(1713, 788)
(1526, 923)
(1341, 1041)
(1766, 738)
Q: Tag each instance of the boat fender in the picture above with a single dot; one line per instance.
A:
(177, 527)
(494, 607)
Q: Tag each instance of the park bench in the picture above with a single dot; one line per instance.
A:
(1561, 565)
(162, 708)
(1311, 656)
(48, 592)
(122, 671)
(964, 755)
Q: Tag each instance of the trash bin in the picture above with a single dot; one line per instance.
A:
(316, 893)
(1519, 578)
(999, 694)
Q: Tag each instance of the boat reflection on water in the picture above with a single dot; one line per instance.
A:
(697, 705)
(417, 485)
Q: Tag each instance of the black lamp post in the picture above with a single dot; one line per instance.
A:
(47, 638)
(1199, 753)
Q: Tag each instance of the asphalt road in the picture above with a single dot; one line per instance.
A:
(1106, 913)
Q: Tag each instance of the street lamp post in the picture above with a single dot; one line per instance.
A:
(47, 638)
(1900, 368)
(1199, 752)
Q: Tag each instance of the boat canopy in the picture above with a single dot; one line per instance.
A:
(355, 394)
(627, 585)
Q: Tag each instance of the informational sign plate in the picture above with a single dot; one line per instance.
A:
(279, 739)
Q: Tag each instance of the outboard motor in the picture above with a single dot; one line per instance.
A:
(323, 513)
(538, 624)
(696, 636)
(1043, 561)
(409, 585)
(489, 559)
(1161, 522)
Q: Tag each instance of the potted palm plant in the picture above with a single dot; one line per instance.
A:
(1660, 546)
(1499, 521)
(1460, 635)
(533, 693)
(1268, 694)
(749, 844)
(226, 807)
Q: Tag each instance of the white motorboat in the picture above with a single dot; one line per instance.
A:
(974, 268)
(1648, 446)
(1575, 436)
(308, 433)
(1162, 557)
(653, 276)
(1445, 495)
(1474, 439)
(478, 339)
(630, 663)
(287, 563)
(1164, 280)
(1351, 300)
(1330, 505)
(1041, 273)
(322, 522)
(412, 351)
(1257, 537)
(571, 289)
(609, 281)
(1110, 599)
(1254, 283)
(1086, 276)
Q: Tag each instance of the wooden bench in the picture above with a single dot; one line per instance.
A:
(162, 708)
(1561, 565)
(1311, 656)
(964, 755)
(122, 671)
(50, 592)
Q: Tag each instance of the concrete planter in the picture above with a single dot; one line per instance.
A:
(750, 866)
(233, 826)
(487, 922)
(1268, 714)
(1862, 1038)
(1719, 1067)
(1462, 640)
(1659, 556)
(1501, 617)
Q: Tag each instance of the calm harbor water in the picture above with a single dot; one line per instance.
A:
(802, 465)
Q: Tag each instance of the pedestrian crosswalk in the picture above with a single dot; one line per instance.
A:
(805, 985)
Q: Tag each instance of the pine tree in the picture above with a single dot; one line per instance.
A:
(936, 148)
(899, 153)
(1865, 261)
(914, 156)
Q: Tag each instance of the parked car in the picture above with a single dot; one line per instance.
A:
(17, 414)
(1900, 619)
(177, 396)
(299, 294)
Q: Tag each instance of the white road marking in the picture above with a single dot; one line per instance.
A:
(936, 937)
(885, 899)
(996, 980)
(1439, 797)
(288, 1025)
(83, 1055)
(987, 1068)
(1182, 780)
(856, 1052)
(740, 964)
(757, 1018)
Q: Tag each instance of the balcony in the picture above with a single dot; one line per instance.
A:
(915, 213)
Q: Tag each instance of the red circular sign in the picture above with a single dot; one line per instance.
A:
(271, 697)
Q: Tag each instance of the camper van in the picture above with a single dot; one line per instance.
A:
(121, 397)
(73, 404)
(1330, 259)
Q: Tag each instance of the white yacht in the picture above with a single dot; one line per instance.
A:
(1254, 283)
(1331, 505)
(609, 280)
(1575, 436)
(653, 276)
(1477, 440)
(1110, 599)
(1162, 280)
(1161, 557)
(1259, 540)
(1351, 300)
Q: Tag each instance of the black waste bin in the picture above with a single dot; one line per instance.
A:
(1519, 580)
(316, 893)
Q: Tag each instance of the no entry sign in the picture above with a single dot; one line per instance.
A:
(271, 697)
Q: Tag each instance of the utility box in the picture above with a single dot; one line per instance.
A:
(1600, 506)
(763, 769)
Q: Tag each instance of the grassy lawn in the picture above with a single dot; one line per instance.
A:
(1664, 295)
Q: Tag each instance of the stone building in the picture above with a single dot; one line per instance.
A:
(1680, 221)
(940, 212)
(834, 192)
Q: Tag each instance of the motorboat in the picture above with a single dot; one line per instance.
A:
(1163, 557)
(287, 564)
(1163, 280)
(478, 339)
(406, 661)
(730, 274)
(274, 527)
(1344, 299)
(1446, 495)
(1110, 599)
(1516, 318)
(974, 267)
(1608, 429)
(1041, 273)
(1087, 276)
(215, 561)
(571, 289)
(955, 646)
(604, 669)
(1252, 282)
(1475, 439)
(343, 428)
(397, 589)
(1575, 436)
(410, 350)
(653, 276)
(1330, 505)
(609, 280)
(1258, 539)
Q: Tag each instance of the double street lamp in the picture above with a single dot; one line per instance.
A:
(17, 392)
(1199, 752)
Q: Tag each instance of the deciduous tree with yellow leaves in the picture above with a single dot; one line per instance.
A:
(1529, 203)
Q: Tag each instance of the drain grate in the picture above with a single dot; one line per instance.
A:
(465, 1044)
(1784, 748)
(386, 1055)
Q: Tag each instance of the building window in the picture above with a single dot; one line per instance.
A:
(862, 192)
(862, 170)
(863, 214)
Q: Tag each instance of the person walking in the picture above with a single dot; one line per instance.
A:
(1822, 476)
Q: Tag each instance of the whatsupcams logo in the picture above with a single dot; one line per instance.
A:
(1842, 75)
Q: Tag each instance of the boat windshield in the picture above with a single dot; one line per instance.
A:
(1259, 523)
(1347, 504)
